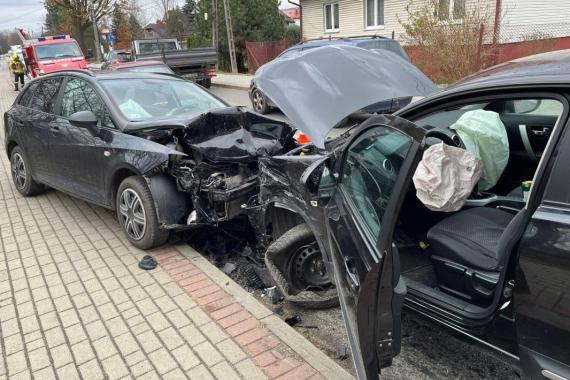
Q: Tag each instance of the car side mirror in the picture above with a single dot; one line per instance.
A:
(319, 181)
(85, 119)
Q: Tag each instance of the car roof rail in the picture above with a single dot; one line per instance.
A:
(330, 38)
(82, 71)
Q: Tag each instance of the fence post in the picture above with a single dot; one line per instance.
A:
(479, 47)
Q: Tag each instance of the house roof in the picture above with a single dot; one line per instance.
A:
(158, 27)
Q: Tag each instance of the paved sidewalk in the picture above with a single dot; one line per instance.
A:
(74, 304)
(238, 81)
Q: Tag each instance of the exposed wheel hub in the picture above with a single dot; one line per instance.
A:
(132, 214)
(19, 170)
(309, 267)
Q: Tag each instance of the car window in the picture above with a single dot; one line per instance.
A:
(80, 96)
(542, 107)
(45, 94)
(144, 99)
(372, 165)
(27, 95)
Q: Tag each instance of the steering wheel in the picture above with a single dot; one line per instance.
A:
(447, 136)
(181, 108)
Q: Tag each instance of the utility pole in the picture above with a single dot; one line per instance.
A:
(95, 32)
(231, 44)
(215, 37)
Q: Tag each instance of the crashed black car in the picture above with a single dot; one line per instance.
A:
(497, 270)
(161, 151)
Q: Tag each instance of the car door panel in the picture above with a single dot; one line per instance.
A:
(373, 176)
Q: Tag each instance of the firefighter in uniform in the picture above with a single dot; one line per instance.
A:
(17, 68)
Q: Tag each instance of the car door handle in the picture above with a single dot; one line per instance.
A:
(55, 129)
(352, 273)
(541, 132)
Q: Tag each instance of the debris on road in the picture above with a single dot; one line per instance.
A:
(228, 268)
(342, 353)
(147, 263)
(274, 294)
(294, 320)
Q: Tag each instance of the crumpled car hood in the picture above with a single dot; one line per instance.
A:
(318, 88)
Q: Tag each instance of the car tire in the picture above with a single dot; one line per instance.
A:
(137, 215)
(279, 258)
(259, 102)
(22, 174)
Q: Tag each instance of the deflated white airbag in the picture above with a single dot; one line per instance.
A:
(445, 177)
(484, 134)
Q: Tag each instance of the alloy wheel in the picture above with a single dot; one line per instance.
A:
(18, 170)
(258, 101)
(132, 214)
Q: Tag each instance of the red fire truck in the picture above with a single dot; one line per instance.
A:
(51, 53)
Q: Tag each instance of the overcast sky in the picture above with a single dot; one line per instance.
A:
(30, 14)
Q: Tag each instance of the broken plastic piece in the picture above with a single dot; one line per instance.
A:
(147, 263)
(229, 268)
(275, 295)
(294, 320)
(342, 353)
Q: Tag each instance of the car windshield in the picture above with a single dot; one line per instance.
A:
(162, 69)
(154, 46)
(151, 99)
(55, 51)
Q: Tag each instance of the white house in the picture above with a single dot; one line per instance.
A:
(351, 18)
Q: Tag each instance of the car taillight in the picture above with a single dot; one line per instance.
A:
(211, 73)
(301, 138)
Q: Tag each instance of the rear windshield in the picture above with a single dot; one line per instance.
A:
(144, 99)
(154, 46)
(55, 51)
(148, 69)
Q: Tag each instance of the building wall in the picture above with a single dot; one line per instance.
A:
(352, 22)
(522, 18)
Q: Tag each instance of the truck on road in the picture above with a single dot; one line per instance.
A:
(51, 53)
(197, 64)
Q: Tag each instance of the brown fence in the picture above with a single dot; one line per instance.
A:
(259, 53)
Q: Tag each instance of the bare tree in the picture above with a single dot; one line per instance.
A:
(448, 45)
(80, 10)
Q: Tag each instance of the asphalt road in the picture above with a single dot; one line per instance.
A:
(428, 350)
(237, 97)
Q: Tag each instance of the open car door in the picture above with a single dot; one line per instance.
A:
(364, 193)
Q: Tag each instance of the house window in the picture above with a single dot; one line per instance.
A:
(374, 13)
(331, 17)
(451, 9)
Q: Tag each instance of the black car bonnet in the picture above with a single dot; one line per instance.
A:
(234, 134)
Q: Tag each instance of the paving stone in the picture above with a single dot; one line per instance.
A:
(249, 370)
(91, 370)
(208, 353)
(223, 371)
(200, 372)
(148, 341)
(231, 351)
(114, 367)
(68, 372)
(192, 335)
(185, 357)
(54, 337)
(213, 331)
(163, 361)
(171, 338)
(61, 355)
(82, 352)
(38, 358)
